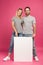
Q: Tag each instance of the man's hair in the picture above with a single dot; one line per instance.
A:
(26, 8)
(20, 9)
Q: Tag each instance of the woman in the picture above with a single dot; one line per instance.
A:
(17, 31)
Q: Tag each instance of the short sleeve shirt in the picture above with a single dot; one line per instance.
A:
(28, 22)
(17, 23)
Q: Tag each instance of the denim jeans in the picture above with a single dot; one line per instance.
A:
(12, 41)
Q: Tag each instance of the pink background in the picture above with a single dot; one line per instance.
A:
(7, 11)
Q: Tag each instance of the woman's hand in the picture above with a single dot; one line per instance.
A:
(16, 34)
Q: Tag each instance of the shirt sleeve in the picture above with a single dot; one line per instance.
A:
(13, 19)
(34, 20)
(22, 21)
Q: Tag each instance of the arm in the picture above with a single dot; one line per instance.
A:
(22, 23)
(34, 29)
(13, 27)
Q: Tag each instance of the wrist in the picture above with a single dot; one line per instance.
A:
(34, 34)
(16, 32)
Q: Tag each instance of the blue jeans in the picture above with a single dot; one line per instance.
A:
(12, 41)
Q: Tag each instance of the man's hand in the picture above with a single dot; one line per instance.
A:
(34, 35)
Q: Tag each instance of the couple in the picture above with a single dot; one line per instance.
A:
(23, 26)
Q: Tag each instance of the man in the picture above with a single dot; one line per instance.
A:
(17, 31)
(29, 28)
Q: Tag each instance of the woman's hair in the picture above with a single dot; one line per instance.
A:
(20, 9)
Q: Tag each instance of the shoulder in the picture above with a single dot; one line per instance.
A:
(32, 17)
(23, 17)
(13, 18)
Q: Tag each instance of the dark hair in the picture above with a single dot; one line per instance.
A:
(26, 8)
(20, 9)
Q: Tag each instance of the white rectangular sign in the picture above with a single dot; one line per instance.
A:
(23, 49)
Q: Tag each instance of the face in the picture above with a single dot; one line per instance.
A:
(19, 12)
(27, 11)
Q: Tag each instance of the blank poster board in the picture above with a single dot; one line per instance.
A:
(23, 49)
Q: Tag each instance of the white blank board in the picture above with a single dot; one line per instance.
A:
(23, 49)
